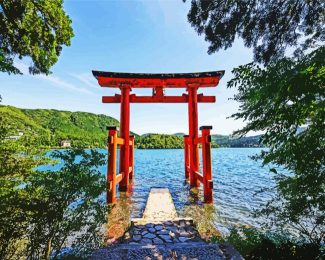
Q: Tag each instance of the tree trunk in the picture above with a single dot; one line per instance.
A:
(48, 249)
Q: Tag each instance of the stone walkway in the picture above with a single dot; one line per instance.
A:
(185, 251)
(160, 206)
(160, 223)
(160, 234)
(175, 231)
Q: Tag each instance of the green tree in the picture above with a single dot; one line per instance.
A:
(278, 99)
(269, 27)
(41, 210)
(32, 28)
(254, 244)
(16, 164)
(286, 94)
(66, 204)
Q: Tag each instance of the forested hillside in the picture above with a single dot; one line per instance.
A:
(156, 141)
(47, 127)
(163, 141)
(229, 141)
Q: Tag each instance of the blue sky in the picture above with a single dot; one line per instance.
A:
(130, 36)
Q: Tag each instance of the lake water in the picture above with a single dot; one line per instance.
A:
(237, 182)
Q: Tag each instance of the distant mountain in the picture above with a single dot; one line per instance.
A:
(248, 141)
(229, 141)
(148, 134)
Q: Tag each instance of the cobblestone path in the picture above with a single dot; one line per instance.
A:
(160, 234)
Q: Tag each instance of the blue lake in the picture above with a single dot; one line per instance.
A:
(237, 182)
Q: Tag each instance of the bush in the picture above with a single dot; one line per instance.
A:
(45, 212)
(254, 244)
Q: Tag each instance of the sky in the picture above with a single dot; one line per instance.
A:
(149, 36)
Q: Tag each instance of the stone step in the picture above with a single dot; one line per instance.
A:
(171, 231)
(194, 250)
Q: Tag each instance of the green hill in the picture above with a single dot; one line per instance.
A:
(48, 126)
(229, 141)
(158, 141)
(162, 141)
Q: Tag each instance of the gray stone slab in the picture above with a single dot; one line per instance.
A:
(149, 235)
(136, 232)
(157, 241)
(151, 230)
(183, 239)
(172, 229)
(136, 238)
(144, 232)
(146, 241)
(184, 234)
(165, 237)
(149, 225)
(159, 227)
(163, 232)
(175, 240)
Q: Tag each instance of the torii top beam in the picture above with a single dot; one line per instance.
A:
(164, 80)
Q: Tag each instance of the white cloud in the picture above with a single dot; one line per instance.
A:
(57, 81)
(87, 79)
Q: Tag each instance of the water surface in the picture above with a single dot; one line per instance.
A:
(237, 182)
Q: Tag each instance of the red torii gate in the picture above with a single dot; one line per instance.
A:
(158, 82)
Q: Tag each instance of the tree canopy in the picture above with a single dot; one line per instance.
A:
(33, 28)
(278, 99)
(269, 27)
(278, 94)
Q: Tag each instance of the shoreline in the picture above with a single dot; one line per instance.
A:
(67, 148)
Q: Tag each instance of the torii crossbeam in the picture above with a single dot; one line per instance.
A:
(158, 82)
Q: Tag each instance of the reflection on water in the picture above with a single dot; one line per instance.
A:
(203, 215)
(118, 219)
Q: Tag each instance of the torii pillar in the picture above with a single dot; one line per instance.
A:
(125, 134)
(193, 133)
